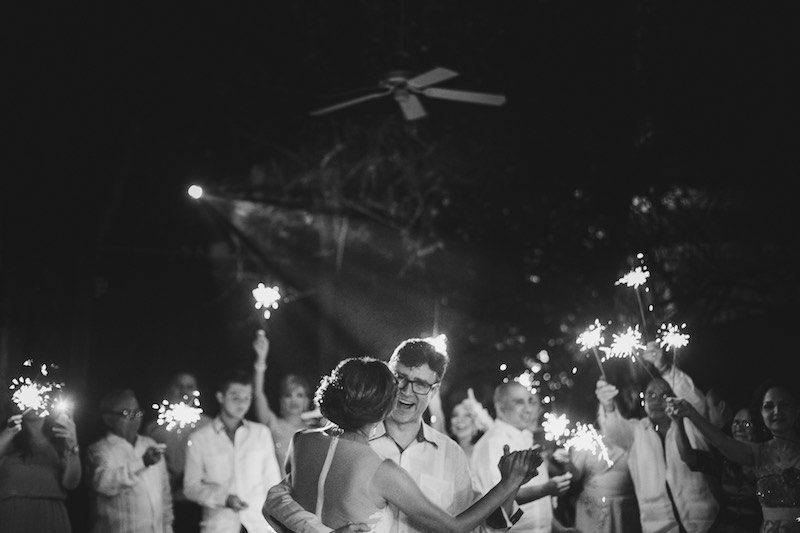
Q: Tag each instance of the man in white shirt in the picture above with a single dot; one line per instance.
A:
(129, 480)
(230, 464)
(435, 462)
(671, 497)
(518, 413)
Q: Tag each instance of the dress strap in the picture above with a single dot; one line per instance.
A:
(323, 474)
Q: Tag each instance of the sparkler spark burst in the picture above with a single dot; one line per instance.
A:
(635, 278)
(179, 415)
(266, 298)
(586, 438)
(526, 379)
(439, 343)
(670, 336)
(625, 344)
(592, 337)
(33, 394)
(556, 427)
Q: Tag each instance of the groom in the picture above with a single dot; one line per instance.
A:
(435, 462)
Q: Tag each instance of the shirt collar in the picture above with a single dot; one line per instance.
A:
(507, 428)
(114, 438)
(423, 434)
(218, 425)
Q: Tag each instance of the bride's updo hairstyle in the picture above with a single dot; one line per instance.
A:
(358, 392)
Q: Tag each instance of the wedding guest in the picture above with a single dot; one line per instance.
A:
(518, 412)
(295, 402)
(39, 464)
(776, 462)
(129, 479)
(468, 422)
(231, 464)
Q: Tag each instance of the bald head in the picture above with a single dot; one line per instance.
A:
(516, 405)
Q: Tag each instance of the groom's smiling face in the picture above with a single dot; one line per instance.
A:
(410, 405)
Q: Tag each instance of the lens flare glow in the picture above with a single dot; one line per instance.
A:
(586, 438)
(556, 427)
(635, 278)
(266, 298)
(178, 416)
(439, 343)
(62, 405)
(670, 336)
(625, 344)
(592, 337)
(195, 191)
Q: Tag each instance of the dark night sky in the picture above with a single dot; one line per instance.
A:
(112, 111)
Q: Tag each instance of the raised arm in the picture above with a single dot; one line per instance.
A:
(261, 409)
(64, 429)
(10, 429)
(688, 454)
(396, 486)
(682, 385)
(738, 452)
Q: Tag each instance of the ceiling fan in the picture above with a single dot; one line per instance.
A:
(406, 91)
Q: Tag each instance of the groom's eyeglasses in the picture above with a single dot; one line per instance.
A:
(418, 386)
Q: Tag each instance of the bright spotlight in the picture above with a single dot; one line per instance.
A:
(195, 191)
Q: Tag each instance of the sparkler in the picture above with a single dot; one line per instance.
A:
(556, 427)
(266, 298)
(33, 394)
(625, 345)
(671, 338)
(586, 438)
(179, 415)
(635, 279)
(591, 339)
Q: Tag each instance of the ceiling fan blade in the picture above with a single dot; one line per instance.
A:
(411, 107)
(348, 103)
(465, 96)
(436, 75)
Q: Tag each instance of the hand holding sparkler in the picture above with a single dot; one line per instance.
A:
(261, 347)
(655, 355)
(558, 485)
(64, 428)
(679, 408)
(153, 454)
(605, 393)
(14, 423)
